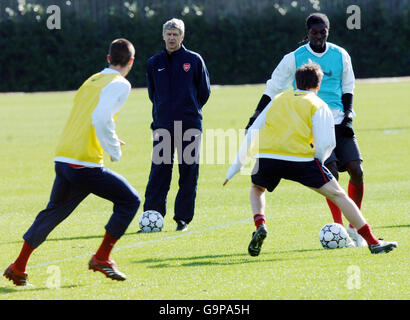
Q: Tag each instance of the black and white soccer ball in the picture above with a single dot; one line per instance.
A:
(151, 221)
(333, 236)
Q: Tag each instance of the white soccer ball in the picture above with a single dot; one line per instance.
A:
(333, 235)
(151, 221)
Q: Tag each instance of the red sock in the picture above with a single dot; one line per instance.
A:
(22, 259)
(356, 194)
(259, 219)
(336, 212)
(367, 234)
(103, 252)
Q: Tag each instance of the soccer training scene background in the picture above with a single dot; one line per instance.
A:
(47, 54)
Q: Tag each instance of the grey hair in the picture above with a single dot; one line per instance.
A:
(174, 24)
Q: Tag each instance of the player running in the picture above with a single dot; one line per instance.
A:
(295, 135)
(337, 91)
(79, 168)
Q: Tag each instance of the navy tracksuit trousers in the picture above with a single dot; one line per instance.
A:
(161, 173)
(73, 185)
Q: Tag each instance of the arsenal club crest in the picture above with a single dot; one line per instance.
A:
(186, 67)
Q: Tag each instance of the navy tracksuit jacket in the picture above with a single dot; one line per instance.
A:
(178, 86)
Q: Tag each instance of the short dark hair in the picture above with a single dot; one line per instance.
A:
(121, 51)
(315, 18)
(308, 76)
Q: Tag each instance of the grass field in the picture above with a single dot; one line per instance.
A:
(210, 260)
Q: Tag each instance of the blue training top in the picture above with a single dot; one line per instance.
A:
(331, 63)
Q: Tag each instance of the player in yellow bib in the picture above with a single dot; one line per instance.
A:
(79, 167)
(296, 135)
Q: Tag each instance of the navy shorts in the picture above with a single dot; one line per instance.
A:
(267, 173)
(346, 150)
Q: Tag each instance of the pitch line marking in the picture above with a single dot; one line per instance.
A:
(140, 243)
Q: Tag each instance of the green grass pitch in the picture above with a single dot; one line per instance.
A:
(210, 260)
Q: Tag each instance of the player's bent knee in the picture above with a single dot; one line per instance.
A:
(355, 170)
(357, 173)
(339, 195)
(332, 190)
(336, 196)
(136, 201)
(130, 206)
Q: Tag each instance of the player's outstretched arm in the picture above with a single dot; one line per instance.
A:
(263, 102)
(280, 80)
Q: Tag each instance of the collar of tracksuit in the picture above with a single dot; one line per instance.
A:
(175, 53)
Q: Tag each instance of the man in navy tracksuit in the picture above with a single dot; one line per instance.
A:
(178, 86)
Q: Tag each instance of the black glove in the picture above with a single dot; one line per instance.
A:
(346, 126)
(263, 102)
(252, 119)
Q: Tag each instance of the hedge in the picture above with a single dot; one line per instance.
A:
(237, 50)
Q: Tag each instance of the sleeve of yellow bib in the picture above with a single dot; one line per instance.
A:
(112, 98)
(324, 133)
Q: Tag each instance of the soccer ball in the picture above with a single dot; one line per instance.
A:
(333, 235)
(151, 221)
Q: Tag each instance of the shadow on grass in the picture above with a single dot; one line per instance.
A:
(397, 226)
(224, 259)
(34, 288)
(100, 236)
(7, 290)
